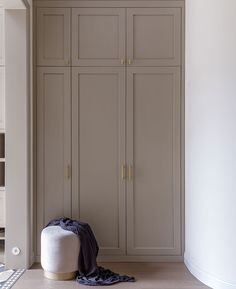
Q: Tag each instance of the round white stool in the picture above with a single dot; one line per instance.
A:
(59, 253)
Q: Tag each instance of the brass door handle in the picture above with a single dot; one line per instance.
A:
(123, 172)
(130, 173)
(130, 61)
(68, 172)
(122, 61)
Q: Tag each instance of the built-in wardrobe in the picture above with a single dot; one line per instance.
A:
(109, 123)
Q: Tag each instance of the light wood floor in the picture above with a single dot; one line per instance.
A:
(148, 275)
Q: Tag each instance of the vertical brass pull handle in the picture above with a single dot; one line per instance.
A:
(130, 173)
(123, 172)
(130, 61)
(68, 172)
(67, 62)
(122, 61)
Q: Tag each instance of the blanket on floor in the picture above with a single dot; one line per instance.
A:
(89, 272)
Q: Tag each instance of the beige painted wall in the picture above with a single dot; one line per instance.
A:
(18, 186)
(14, 4)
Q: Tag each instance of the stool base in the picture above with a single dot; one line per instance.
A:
(60, 276)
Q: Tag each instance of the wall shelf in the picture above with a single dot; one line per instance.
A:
(2, 234)
(2, 251)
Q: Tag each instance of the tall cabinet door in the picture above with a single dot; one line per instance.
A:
(154, 36)
(53, 36)
(153, 156)
(53, 145)
(98, 147)
(98, 36)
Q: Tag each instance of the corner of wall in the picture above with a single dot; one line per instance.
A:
(204, 276)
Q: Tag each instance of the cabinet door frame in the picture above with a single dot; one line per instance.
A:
(66, 59)
(121, 249)
(120, 12)
(176, 149)
(177, 22)
(41, 222)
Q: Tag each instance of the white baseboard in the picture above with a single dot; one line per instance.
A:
(205, 277)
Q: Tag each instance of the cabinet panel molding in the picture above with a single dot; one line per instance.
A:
(117, 3)
(98, 153)
(153, 148)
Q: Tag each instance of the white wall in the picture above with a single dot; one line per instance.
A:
(211, 141)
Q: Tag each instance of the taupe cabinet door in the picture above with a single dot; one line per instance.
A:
(54, 145)
(153, 152)
(154, 36)
(98, 148)
(98, 36)
(53, 36)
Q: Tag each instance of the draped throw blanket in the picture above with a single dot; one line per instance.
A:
(89, 272)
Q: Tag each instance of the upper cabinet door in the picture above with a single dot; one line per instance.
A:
(154, 36)
(53, 36)
(98, 36)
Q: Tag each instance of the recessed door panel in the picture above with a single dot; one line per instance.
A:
(154, 36)
(98, 36)
(53, 36)
(53, 145)
(98, 154)
(153, 150)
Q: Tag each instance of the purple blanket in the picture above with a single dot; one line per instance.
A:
(89, 272)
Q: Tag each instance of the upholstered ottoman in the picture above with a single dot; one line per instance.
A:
(59, 253)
